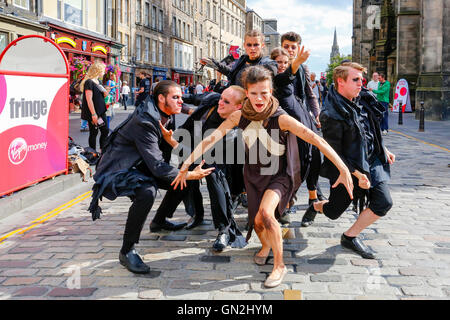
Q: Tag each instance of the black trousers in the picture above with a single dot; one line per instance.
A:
(313, 176)
(125, 100)
(219, 195)
(93, 132)
(139, 210)
(380, 200)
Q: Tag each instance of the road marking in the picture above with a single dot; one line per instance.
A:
(430, 144)
(47, 216)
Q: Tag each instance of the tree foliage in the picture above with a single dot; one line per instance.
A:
(335, 62)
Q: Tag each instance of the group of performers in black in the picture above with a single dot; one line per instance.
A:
(270, 116)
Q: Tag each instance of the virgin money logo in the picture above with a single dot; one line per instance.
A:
(17, 151)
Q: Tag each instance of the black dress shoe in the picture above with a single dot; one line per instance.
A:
(221, 242)
(133, 262)
(166, 225)
(309, 216)
(193, 222)
(358, 246)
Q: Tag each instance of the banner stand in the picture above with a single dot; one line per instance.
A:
(34, 112)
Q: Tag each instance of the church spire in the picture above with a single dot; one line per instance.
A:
(335, 47)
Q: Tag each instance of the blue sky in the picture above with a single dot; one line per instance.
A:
(315, 22)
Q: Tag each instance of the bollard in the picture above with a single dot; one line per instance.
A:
(422, 117)
(400, 115)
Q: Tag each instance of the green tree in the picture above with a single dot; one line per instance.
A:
(335, 62)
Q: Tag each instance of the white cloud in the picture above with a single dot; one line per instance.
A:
(314, 21)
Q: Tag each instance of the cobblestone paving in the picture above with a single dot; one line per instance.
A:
(72, 257)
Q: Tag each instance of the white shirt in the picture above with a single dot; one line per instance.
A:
(199, 89)
(373, 85)
(125, 89)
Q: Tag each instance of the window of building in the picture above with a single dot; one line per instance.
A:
(138, 47)
(174, 26)
(109, 10)
(208, 10)
(147, 14)
(138, 11)
(179, 29)
(189, 33)
(24, 4)
(161, 53)
(125, 11)
(126, 48)
(3, 41)
(154, 17)
(201, 6)
(119, 10)
(215, 13)
(184, 30)
(201, 32)
(154, 51)
(195, 29)
(147, 49)
(71, 11)
(160, 20)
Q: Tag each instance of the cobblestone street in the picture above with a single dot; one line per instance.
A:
(71, 257)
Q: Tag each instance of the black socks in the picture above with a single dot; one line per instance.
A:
(348, 238)
(126, 247)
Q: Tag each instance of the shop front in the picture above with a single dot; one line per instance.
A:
(182, 77)
(160, 73)
(128, 75)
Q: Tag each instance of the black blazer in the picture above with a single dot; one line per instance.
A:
(138, 141)
(343, 131)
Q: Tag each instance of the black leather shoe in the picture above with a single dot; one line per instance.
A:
(244, 201)
(133, 262)
(221, 242)
(358, 246)
(166, 225)
(309, 216)
(194, 222)
(321, 197)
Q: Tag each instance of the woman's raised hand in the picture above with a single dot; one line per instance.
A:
(302, 55)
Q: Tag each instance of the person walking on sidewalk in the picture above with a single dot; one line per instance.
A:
(383, 96)
(135, 163)
(125, 92)
(353, 131)
(144, 88)
(270, 180)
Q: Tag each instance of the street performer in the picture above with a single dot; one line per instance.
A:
(351, 125)
(271, 170)
(135, 163)
(213, 110)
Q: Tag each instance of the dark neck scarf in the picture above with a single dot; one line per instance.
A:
(249, 113)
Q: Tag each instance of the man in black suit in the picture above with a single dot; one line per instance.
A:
(135, 163)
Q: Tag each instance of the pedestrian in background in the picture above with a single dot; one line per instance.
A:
(93, 108)
(374, 83)
(383, 96)
(125, 92)
(144, 88)
(111, 99)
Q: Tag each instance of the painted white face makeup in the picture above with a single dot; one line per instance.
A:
(259, 95)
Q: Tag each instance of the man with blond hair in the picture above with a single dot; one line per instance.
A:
(352, 128)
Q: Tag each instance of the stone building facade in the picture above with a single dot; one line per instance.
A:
(272, 37)
(407, 39)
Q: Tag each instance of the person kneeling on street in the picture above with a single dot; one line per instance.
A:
(135, 163)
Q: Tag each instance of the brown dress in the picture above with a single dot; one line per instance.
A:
(283, 179)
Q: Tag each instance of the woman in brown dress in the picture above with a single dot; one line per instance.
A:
(271, 168)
